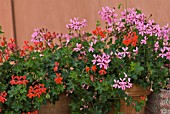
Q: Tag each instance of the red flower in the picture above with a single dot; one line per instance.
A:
(31, 48)
(134, 40)
(22, 53)
(99, 32)
(131, 38)
(94, 68)
(56, 63)
(26, 42)
(55, 68)
(101, 81)
(17, 80)
(3, 43)
(12, 40)
(40, 44)
(58, 80)
(58, 74)
(143, 98)
(11, 46)
(87, 69)
(102, 72)
(2, 97)
(127, 42)
(6, 57)
(36, 91)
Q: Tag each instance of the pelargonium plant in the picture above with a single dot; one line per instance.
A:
(93, 68)
(142, 44)
(29, 76)
(104, 70)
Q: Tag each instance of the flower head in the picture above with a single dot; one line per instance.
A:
(17, 80)
(102, 61)
(78, 48)
(108, 14)
(3, 97)
(76, 24)
(123, 83)
(36, 91)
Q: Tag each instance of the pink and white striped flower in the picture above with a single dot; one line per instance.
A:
(91, 49)
(122, 83)
(76, 24)
(102, 61)
(144, 41)
(156, 46)
(135, 50)
(78, 48)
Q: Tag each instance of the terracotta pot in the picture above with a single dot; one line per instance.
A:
(159, 103)
(60, 107)
(136, 92)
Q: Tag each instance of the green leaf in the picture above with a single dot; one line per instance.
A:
(99, 88)
(88, 34)
(1, 30)
(48, 96)
(110, 41)
(136, 68)
(134, 76)
(9, 112)
(120, 6)
(138, 11)
(98, 23)
(17, 106)
(123, 20)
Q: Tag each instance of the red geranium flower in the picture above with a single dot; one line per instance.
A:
(94, 68)
(58, 80)
(36, 91)
(87, 69)
(131, 38)
(2, 97)
(102, 72)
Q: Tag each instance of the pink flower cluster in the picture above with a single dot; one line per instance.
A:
(65, 37)
(78, 48)
(91, 49)
(165, 32)
(122, 83)
(132, 17)
(145, 28)
(102, 61)
(144, 41)
(165, 52)
(108, 14)
(123, 54)
(37, 35)
(76, 25)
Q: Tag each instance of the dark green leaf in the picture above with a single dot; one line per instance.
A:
(138, 11)
(98, 23)
(119, 6)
